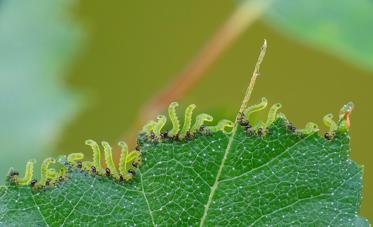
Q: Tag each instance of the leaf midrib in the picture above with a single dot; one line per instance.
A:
(38, 208)
(76, 204)
(146, 199)
(227, 150)
(216, 182)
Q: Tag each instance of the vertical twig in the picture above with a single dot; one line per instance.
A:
(256, 73)
(234, 130)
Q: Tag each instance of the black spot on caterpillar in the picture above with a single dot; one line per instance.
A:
(93, 169)
(132, 172)
(107, 172)
(291, 127)
(33, 183)
(327, 136)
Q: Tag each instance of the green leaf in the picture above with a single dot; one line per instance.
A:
(277, 175)
(37, 40)
(341, 26)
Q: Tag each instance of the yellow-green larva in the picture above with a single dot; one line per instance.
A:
(309, 128)
(272, 114)
(222, 124)
(73, 157)
(161, 121)
(200, 120)
(330, 123)
(109, 159)
(26, 180)
(125, 159)
(255, 108)
(44, 170)
(187, 120)
(52, 173)
(174, 119)
(96, 154)
(149, 127)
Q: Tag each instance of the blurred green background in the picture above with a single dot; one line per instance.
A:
(70, 72)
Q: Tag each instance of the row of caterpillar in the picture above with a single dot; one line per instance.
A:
(128, 163)
(260, 127)
(153, 129)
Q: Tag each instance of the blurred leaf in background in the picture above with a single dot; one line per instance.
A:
(343, 27)
(37, 41)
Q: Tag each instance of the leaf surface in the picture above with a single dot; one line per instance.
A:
(281, 178)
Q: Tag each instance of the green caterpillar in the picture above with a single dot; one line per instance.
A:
(28, 173)
(128, 164)
(174, 119)
(309, 128)
(255, 108)
(129, 161)
(187, 120)
(222, 124)
(330, 123)
(96, 163)
(45, 171)
(109, 159)
(200, 120)
(272, 114)
(260, 127)
(161, 121)
(153, 128)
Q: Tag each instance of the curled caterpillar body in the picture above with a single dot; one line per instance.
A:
(161, 121)
(187, 121)
(123, 156)
(309, 128)
(26, 180)
(222, 124)
(74, 158)
(174, 119)
(330, 123)
(109, 159)
(149, 127)
(52, 173)
(126, 160)
(200, 120)
(281, 116)
(45, 170)
(272, 114)
(255, 108)
(96, 154)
